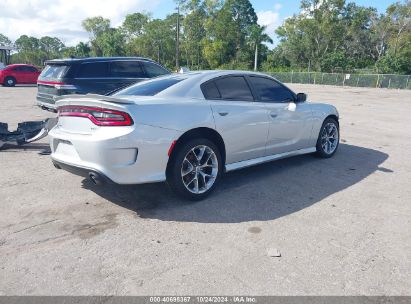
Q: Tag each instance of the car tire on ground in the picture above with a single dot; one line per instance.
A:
(195, 169)
(328, 138)
(9, 81)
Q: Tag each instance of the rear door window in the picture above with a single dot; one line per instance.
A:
(154, 70)
(210, 90)
(31, 69)
(54, 71)
(127, 69)
(93, 70)
(234, 88)
(270, 90)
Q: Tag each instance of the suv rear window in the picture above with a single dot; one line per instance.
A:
(149, 87)
(54, 71)
(93, 70)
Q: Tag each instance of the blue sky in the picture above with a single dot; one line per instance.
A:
(62, 18)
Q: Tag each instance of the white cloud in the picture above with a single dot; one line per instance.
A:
(270, 19)
(62, 18)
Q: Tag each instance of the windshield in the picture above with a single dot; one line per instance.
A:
(149, 87)
(54, 71)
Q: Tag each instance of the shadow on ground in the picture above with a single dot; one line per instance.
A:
(260, 193)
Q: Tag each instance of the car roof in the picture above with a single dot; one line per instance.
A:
(190, 84)
(95, 59)
(210, 74)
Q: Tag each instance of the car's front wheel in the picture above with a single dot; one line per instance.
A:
(195, 169)
(329, 138)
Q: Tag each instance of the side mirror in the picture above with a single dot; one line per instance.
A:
(301, 97)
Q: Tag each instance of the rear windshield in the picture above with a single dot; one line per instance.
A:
(149, 87)
(54, 71)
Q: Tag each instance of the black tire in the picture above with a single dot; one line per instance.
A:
(325, 143)
(178, 161)
(9, 81)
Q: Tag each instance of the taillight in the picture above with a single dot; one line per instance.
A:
(58, 85)
(99, 116)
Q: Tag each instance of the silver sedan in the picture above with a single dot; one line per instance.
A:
(187, 129)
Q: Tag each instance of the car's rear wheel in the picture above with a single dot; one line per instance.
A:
(328, 139)
(9, 81)
(195, 169)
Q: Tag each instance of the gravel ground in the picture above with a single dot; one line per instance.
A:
(341, 225)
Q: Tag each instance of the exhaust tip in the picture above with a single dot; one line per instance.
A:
(95, 178)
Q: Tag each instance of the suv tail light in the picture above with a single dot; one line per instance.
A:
(99, 116)
(58, 85)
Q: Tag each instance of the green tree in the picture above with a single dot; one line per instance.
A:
(4, 40)
(28, 50)
(134, 24)
(314, 33)
(96, 27)
(257, 37)
(392, 36)
(226, 32)
(358, 47)
(194, 32)
(50, 47)
(105, 40)
(82, 50)
(111, 43)
(276, 61)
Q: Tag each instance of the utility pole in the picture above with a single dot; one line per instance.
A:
(178, 37)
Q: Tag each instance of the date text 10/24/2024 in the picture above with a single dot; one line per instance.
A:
(203, 299)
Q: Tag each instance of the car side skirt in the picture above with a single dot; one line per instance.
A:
(264, 159)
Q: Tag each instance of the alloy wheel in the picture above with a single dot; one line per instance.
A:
(329, 138)
(199, 169)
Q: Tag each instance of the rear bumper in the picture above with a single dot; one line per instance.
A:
(46, 103)
(122, 155)
(94, 175)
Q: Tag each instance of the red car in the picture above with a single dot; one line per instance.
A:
(18, 74)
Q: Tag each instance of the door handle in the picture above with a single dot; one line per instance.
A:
(223, 113)
(273, 115)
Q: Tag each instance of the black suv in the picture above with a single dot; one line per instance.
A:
(99, 75)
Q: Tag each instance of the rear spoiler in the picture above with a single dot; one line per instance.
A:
(93, 96)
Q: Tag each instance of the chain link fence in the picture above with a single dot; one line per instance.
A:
(389, 81)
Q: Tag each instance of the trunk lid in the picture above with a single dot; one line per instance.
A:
(86, 104)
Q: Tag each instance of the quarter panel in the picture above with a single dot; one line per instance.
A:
(126, 155)
(181, 115)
